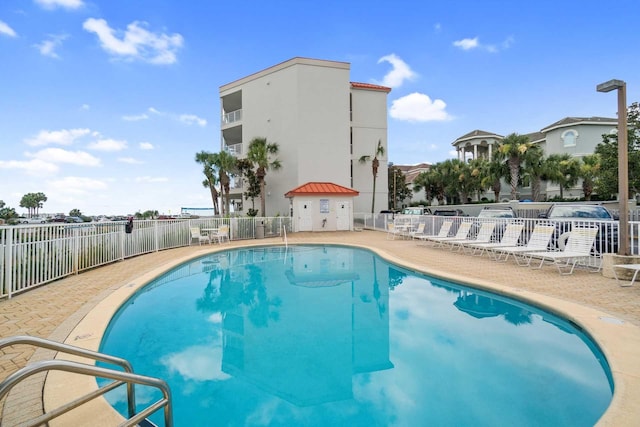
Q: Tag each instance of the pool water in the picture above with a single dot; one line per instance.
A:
(337, 336)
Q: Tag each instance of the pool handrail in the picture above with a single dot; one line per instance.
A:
(127, 377)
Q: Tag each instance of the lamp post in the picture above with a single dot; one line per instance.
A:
(623, 160)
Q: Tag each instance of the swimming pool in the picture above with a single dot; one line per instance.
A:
(329, 335)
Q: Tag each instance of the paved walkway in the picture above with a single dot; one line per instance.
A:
(53, 310)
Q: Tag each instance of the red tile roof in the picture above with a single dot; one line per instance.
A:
(370, 87)
(321, 189)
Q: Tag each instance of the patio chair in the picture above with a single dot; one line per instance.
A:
(221, 235)
(196, 235)
(578, 247)
(509, 238)
(444, 231)
(461, 234)
(538, 241)
(483, 236)
(392, 231)
(633, 267)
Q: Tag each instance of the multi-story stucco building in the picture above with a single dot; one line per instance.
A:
(322, 122)
(577, 136)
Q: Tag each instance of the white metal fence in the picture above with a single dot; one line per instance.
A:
(606, 240)
(32, 255)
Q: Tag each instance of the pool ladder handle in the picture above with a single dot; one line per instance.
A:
(127, 377)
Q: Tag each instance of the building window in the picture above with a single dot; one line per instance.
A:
(569, 138)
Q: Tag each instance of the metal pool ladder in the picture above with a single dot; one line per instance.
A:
(119, 378)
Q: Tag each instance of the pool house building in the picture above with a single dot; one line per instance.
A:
(322, 122)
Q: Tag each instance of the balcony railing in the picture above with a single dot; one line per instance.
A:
(234, 149)
(232, 117)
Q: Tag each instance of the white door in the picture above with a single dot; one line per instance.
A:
(305, 215)
(343, 216)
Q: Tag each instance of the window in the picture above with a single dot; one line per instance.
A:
(569, 138)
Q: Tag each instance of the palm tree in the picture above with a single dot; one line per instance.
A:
(588, 172)
(491, 176)
(227, 165)
(512, 151)
(259, 154)
(208, 168)
(534, 168)
(564, 170)
(375, 163)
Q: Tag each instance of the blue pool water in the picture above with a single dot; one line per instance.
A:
(337, 336)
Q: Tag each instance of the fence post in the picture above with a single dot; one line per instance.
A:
(155, 234)
(8, 261)
(76, 250)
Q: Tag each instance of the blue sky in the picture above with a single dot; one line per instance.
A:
(103, 104)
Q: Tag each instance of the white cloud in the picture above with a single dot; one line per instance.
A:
(60, 137)
(191, 119)
(48, 47)
(466, 44)
(146, 146)
(437, 27)
(7, 30)
(66, 4)
(78, 186)
(108, 145)
(418, 107)
(151, 179)
(474, 43)
(59, 155)
(135, 118)
(130, 160)
(85, 107)
(400, 71)
(154, 111)
(136, 43)
(32, 167)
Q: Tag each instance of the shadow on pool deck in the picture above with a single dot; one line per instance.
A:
(53, 310)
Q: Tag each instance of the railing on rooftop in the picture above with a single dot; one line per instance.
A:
(232, 117)
(33, 255)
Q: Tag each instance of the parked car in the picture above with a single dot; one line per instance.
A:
(503, 216)
(449, 212)
(416, 210)
(33, 220)
(73, 219)
(565, 216)
(57, 218)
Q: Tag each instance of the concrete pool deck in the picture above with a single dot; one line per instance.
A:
(74, 309)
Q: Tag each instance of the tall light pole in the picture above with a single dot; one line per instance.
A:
(623, 160)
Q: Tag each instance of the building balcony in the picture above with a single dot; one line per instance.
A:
(234, 149)
(232, 117)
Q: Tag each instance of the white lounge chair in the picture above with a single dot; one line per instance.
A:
(196, 235)
(538, 241)
(633, 267)
(461, 234)
(578, 247)
(510, 237)
(444, 231)
(418, 231)
(483, 236)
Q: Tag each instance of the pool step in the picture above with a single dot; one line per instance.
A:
(147, 423)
